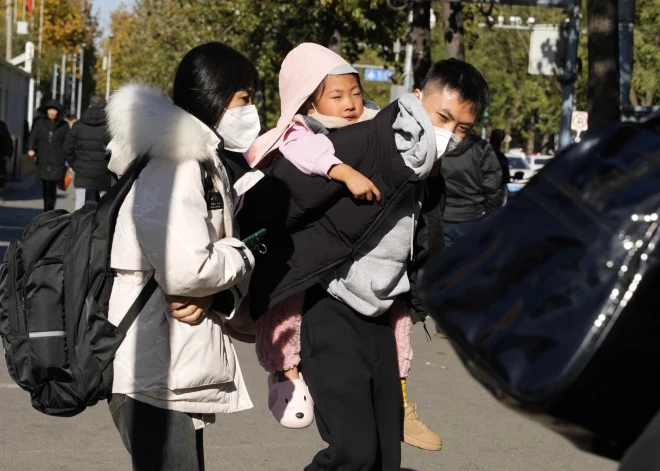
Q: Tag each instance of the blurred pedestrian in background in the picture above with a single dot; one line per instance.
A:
(496, 140)
(46, 143)
(473, 176)
(85, 147)
(6, 150)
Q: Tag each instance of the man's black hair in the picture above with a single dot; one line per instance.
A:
(208, 77)
(461, 77)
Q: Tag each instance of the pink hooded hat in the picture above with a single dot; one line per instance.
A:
(303, 69)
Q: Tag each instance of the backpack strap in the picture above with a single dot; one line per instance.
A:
(212, 197)
(138, 305)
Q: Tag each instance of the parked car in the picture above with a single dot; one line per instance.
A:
(521, 171)
(537, 162)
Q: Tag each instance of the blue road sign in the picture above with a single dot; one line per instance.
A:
(378, 75)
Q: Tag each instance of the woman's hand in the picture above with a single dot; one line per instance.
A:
(188, 310)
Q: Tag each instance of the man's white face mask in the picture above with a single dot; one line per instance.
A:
(239, 127)
(446, 141)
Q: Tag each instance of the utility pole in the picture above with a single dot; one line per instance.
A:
(53, 89)
(421, 40)
(109, 71)
(626, 33)
(72, 109)
(8, 30)
(604, 83)
(63, 78)
(80, 84)
(568, 91)
(41, 40)
(407, 66)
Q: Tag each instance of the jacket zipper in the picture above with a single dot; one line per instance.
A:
(72, 332)
(12, 275)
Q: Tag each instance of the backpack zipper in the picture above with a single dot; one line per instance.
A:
(26, 278)
(12, 276)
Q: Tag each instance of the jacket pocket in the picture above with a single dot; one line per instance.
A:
(199, 355)
(42, 293)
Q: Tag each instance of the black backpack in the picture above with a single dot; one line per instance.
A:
(55, 287)
(553, 302)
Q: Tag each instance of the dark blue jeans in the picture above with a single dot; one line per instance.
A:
(456, 230)
(157, 439)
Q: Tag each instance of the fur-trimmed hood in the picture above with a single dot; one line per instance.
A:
(142, 120)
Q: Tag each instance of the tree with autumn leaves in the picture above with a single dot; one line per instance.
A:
(67, 25)
(152, 37)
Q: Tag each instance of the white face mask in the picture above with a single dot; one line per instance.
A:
(446, 141)
(239, 127)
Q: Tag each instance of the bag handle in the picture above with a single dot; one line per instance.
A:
(138, 305)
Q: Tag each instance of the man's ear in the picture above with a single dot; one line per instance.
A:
(418, 93)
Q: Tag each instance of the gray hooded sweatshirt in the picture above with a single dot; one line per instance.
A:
(377, 275)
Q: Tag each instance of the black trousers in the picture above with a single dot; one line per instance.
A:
(49, 193)
(349, 363)
(157, 439)
(456, 230)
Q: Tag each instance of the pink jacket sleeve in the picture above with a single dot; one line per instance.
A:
(312, 154)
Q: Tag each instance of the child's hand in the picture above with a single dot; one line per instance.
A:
(361, 187)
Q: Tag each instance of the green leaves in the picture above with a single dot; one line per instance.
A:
(155, 39)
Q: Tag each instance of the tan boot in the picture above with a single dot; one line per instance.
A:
(417, 434)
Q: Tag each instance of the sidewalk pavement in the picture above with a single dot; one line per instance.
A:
(20, 202)
(479, 434)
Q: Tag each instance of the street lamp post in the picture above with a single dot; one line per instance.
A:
(53, 90)
(80, 84)
(72, 108)
(568, 90)
(63, 78)
(109, 71)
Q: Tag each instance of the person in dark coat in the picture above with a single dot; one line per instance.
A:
(496, 139)
(47, 144)
(85, 147)
(6, 150)
(473, 176)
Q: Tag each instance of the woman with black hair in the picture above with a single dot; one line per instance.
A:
(177, 367)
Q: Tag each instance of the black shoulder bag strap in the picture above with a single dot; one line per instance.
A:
(138, 305)
(151, 285)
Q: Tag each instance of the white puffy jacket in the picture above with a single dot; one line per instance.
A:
(164, 228)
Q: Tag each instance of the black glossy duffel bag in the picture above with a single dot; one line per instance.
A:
(554, 302)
